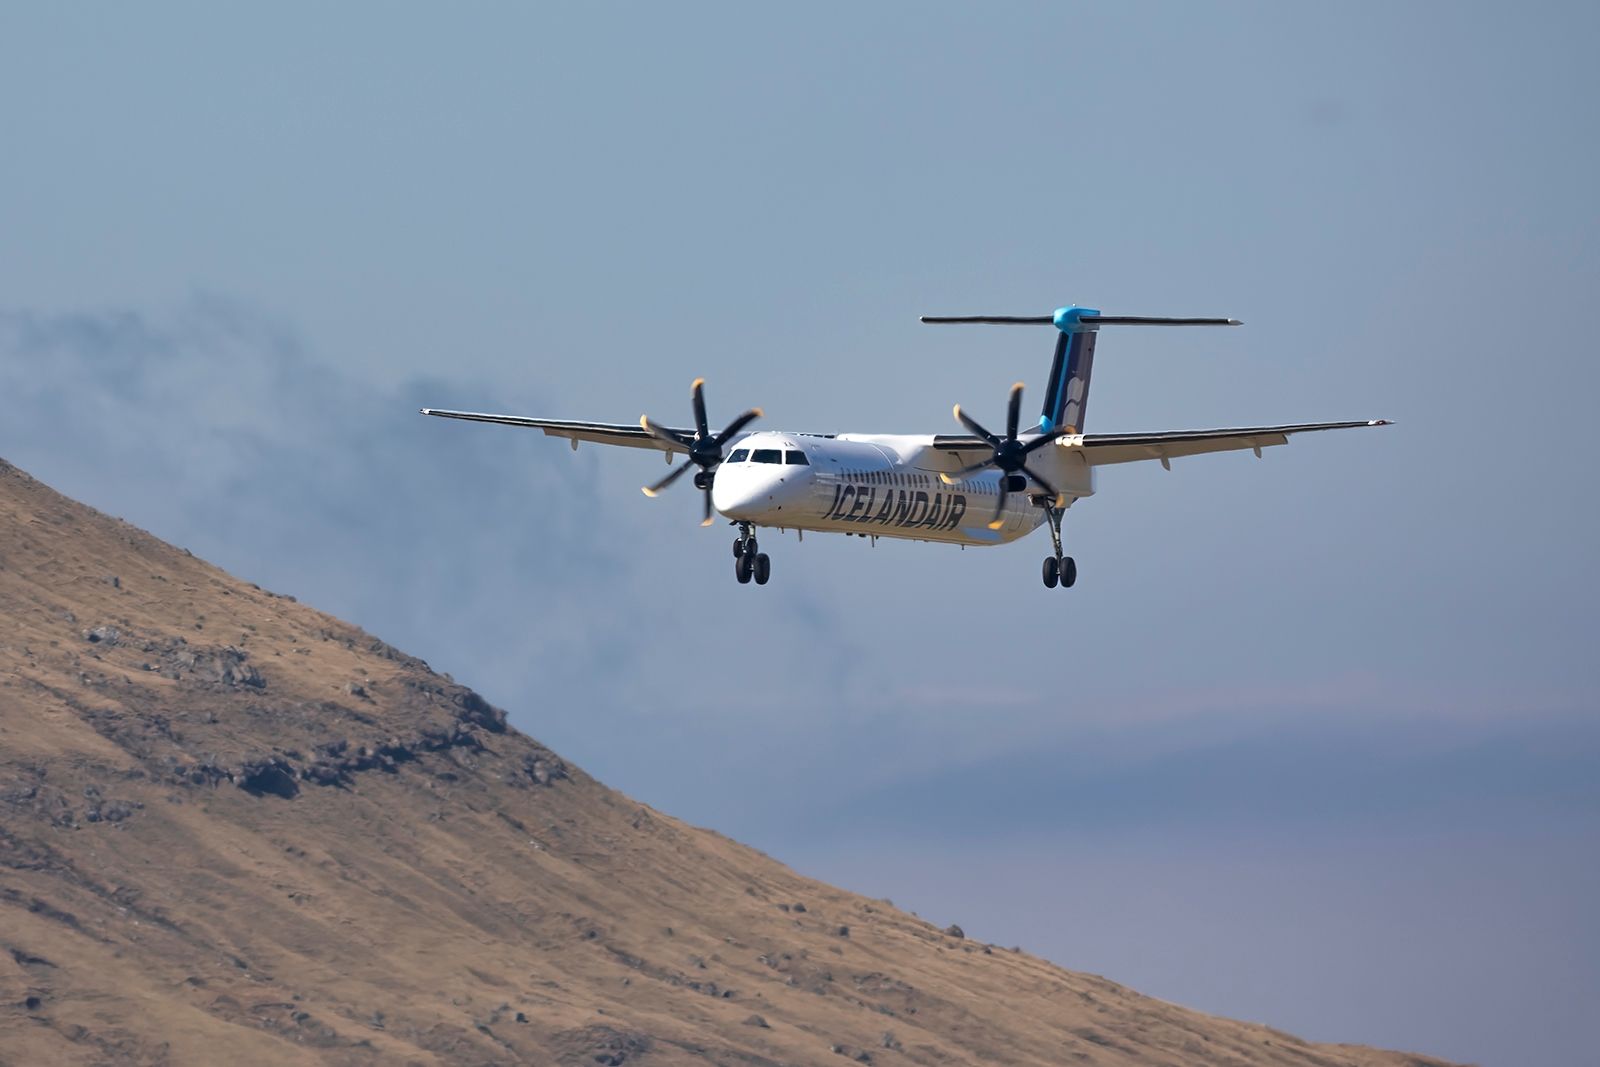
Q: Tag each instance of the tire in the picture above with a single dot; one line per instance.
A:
(763, 568)
(1052, 572)
(738, 547)
(742, 569)
(1069, 573)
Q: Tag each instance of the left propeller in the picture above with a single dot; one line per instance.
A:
(1010, 455)
(703, 446)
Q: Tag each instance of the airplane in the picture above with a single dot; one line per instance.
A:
(974, 488)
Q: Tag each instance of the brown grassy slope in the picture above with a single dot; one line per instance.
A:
(234, 828)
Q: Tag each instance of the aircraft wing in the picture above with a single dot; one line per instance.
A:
(1100, 448)
(630, 435)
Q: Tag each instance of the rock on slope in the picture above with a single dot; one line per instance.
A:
(234, 828)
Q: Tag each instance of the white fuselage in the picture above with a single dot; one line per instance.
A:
(883, 486)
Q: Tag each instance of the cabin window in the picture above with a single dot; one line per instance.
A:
(739, 455)
(768, 455)
(796, 458)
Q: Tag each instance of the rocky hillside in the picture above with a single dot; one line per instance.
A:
(235, 829)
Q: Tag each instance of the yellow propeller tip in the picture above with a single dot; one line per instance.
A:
(1017, 388)
(956, 411)
(708, 522)
(697, 383)
(644, 420)
(647, 491)
(946, 479)
(759, 413)
(996, 524)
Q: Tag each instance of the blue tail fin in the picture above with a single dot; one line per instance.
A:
(1066, 395)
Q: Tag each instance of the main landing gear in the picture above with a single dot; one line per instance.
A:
(748, 560)
(1058, 569)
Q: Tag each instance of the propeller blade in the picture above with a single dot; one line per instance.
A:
(976, 427)
(661, 434)
(1013, 411)
(1046, 486)
(738, 424)
(708, 520)
(999, 519)
(964, 473)
(672, 476)
(697, 394)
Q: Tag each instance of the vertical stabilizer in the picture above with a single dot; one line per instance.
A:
(1066, 395)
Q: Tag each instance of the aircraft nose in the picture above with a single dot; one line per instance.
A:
(757, 491)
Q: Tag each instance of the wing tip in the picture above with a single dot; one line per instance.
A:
(1380, 422)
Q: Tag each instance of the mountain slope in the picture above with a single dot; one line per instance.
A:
(233, 827)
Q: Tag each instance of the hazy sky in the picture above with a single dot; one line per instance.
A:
(1314, 740)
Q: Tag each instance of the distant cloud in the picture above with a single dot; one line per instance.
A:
(491, 552)
(215, 426)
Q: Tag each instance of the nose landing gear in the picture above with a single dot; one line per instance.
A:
(748, 560)
(1058, 569)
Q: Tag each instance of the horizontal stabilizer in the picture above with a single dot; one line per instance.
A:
(989, 320)
(1086, 320)
(1153, 320)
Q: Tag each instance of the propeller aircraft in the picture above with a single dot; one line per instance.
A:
(972, 488)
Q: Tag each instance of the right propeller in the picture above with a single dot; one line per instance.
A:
(704, 447)
(1010, 454)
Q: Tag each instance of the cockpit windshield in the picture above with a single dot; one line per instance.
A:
(739, 455)
(795, 458)
(768, 455)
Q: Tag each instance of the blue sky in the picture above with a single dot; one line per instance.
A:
(1314, 738)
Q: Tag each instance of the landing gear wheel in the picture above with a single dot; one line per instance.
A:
(1052, 572)
(1069, 572)
(763, 568)
(743, 568)
(745, 544)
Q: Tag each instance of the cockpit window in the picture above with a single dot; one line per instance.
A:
(739, 455)
(768, 455)
(796, 458)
